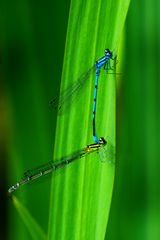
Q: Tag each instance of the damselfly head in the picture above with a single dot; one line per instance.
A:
(102, 141)
(108, 53)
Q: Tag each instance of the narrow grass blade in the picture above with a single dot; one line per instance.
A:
(34, 229)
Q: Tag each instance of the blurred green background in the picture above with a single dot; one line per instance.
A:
(32, 47)
(135, 210)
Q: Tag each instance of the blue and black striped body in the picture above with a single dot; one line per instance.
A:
(103, 61)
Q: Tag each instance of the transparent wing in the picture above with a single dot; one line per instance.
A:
(107, 153)
(60, 103)
(65, 99)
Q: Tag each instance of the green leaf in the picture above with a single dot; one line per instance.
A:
(81, 193)
(34, 229)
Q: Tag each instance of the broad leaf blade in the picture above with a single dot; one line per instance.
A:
(81, 193)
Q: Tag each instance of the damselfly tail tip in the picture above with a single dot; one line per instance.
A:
(9, 195)
(13, 188)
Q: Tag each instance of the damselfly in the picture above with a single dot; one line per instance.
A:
(58, 103)
(51, 166)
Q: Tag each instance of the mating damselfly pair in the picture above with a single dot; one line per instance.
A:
(58, 103)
